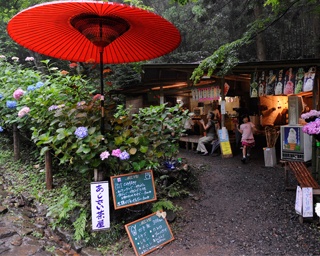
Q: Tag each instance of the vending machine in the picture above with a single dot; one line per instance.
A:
(295, 144)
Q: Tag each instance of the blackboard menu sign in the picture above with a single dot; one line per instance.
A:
(133, 189)
(149, 233)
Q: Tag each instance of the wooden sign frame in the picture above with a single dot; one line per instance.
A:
(131, 177)
(134, 236)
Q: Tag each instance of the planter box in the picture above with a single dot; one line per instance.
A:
(270, 159)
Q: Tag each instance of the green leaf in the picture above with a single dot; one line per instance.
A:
(144, 149)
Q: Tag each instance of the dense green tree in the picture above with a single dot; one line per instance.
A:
(218, 31)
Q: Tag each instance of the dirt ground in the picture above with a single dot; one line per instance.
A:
(240, 209)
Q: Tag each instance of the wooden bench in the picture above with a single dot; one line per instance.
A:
(193, 139)
(302, 174)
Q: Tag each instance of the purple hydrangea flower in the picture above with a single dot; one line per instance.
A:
(124, 155)
(11, 104)
(311, 113)
(81, 132)
(53, 107)
(104, 155)
(312, 127)
(116, 152)
(1, 129)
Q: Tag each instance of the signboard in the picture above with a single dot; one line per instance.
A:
(132, 189)
(100, 205)
(298, 204)
(304, 202)
(203, 94)
(307, 202)
(149, 233)
(224, 142)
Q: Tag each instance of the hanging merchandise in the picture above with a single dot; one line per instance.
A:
(279, 87)
(206, 94)
(271, 79)
(309, 79)
(262, 85)
(226, 88)
(299, 81)
(289, 82)
(254, 86)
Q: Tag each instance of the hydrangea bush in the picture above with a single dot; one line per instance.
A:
(313, 127)
(62, 113)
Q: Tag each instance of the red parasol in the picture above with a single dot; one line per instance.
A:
(94, 31)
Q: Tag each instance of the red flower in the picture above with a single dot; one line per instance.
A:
(73, 65)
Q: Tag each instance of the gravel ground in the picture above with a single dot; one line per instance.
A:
(241, 209)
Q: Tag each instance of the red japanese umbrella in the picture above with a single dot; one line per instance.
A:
(94, 31)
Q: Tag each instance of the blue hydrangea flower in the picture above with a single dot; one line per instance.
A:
(124, 155)
(1, 96)
(31, 88)
(11, 104)
(1, 129)
(81, 132)
(39, 84)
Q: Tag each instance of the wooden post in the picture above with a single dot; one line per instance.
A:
(16, 143)
(98, 175)
(48, 167)
(222, 99)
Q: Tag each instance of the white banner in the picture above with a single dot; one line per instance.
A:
(307, 202)
(100, 210)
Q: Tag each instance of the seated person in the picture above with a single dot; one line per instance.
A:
(188, 125)
(211, 129)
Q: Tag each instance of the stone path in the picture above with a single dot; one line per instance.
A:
(24, 230)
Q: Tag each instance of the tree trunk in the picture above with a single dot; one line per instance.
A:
(316, 32)
(260, 43)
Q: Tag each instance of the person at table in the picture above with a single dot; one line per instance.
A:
(211, 129)
(189, 123)
(215, 110)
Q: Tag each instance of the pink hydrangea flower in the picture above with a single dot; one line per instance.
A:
(18, 94)
(96, 97)
(29, 59)
(23, 112)
(116, 152)
(104, 155)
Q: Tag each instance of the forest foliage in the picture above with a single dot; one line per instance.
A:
(216, 32)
